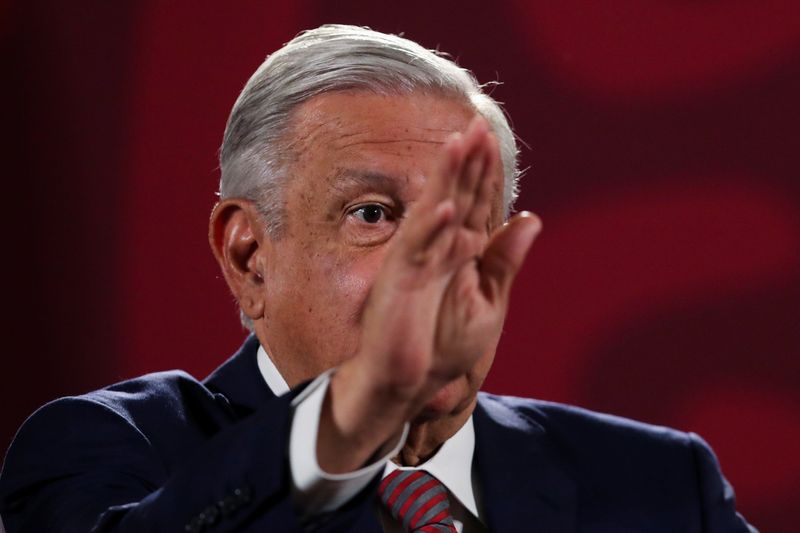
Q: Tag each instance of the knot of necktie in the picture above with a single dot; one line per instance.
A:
(417, 500)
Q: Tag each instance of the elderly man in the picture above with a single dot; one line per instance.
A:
(363, 228)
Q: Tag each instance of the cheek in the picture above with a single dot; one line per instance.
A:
(321, 281)
(349, 280)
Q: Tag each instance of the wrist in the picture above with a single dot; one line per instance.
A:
(358, 419)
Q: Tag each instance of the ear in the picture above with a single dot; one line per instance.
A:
(238, 238)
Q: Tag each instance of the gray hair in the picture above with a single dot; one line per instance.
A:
(332, 58)
(255, 153)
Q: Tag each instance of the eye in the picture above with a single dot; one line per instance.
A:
(370, 213)
(370, 222)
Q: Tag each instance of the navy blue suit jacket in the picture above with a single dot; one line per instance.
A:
(165, 452)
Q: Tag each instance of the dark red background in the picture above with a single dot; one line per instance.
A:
(664, 142)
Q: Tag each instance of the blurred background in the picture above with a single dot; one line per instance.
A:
(663, 150)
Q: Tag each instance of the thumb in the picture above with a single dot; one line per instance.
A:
(506, 252)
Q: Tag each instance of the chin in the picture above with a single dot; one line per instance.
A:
(451, 399)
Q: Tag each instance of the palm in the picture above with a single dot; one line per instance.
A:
(436, 307)
(437, 304)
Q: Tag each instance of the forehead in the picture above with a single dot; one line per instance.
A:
(358, 128)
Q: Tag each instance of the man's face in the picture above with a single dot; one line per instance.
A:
(361, 162)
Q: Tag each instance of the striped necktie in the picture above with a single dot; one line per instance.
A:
(417, 500)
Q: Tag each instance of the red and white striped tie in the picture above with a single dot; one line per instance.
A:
(417, 500)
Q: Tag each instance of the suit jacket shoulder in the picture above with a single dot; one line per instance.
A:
(163, 452)
(604, 470)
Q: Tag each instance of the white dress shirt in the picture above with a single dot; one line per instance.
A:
(316, 491)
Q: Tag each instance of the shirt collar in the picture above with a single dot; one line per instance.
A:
(451, 464)
(270, 373)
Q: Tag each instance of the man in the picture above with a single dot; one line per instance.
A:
(362, 227)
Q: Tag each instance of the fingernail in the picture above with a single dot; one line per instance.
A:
(454, 137)
(528, 214)
(530, 233)
(445, 209)
(537, 222)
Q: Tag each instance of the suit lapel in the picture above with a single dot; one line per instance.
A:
(239, 382)
(522, 486)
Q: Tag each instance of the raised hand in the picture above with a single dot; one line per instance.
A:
(437, 305)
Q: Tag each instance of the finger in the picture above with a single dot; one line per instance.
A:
(448, 196)
(489, 188)
(475, 133)
(421, 231)
(469, 184)
(441, 184)
(505, 254)
(446, 180)
(472, 168)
